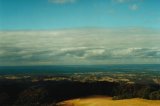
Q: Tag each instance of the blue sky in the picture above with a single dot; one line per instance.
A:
(60, 14)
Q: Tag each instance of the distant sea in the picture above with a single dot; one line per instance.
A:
(70, 69)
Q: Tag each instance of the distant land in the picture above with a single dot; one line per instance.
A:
(51, 85)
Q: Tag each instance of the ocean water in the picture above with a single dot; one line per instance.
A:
(69, 69)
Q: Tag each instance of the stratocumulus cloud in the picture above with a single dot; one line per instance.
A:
(80, 46)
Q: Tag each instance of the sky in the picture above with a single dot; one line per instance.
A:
(79, 32)
(59, 14)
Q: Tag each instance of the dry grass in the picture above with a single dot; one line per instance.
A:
(106, 101)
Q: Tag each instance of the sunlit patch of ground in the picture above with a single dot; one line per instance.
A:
(106, 101)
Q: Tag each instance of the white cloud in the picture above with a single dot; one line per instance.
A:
(134, 7)
(125, 1)
(79, 46)
(134, 3)
(120, 1)
(62, 1)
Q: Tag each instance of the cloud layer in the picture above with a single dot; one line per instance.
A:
(80, 46)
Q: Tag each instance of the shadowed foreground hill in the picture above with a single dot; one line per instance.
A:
(46, 93)
(105, 101)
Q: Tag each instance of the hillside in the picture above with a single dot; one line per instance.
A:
(106, 101)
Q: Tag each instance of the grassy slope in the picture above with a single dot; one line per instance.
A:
(105, 101)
